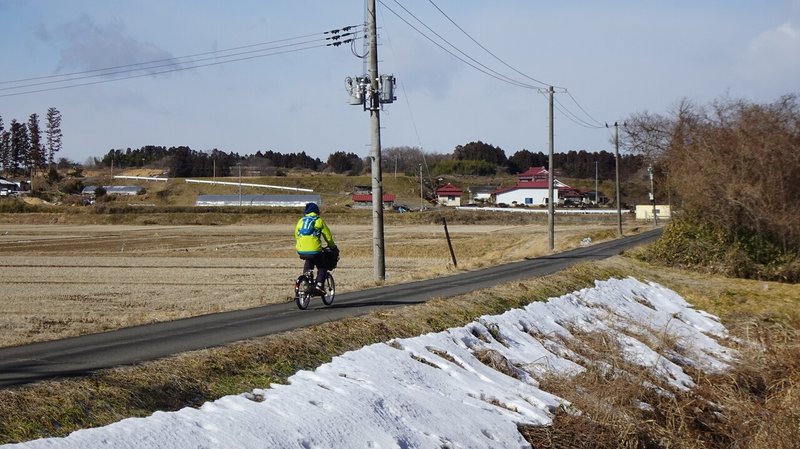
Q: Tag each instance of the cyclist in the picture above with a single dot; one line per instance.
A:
(308, 234)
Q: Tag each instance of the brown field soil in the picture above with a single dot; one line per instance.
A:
(66, 280)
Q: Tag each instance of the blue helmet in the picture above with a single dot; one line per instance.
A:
(312, 207)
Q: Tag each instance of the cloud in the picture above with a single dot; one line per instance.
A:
(773, 57)
(86, 45)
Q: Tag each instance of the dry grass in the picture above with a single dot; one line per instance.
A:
(754, 405)
(248, 264)
(67, 280)
(61, 406)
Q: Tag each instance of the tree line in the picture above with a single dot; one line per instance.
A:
(22, 151)
(474, 158)
(483, 159)
(733, 168)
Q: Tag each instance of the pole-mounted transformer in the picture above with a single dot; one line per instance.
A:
(358, 89)
(386, 89)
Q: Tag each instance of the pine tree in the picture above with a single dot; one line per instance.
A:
(5, 151)
(53, 134)
(36, 154)
(19, 146)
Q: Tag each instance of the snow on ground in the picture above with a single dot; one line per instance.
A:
(432, 391)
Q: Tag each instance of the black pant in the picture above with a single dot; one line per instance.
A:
(312, 261)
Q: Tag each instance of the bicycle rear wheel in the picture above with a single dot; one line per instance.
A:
(330, 290)
(302, 297)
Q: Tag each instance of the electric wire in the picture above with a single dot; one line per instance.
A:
(486, 72)
(573, 117)
(411, 116)
(599, 125)
(509, 79)
(486, 49)
(157, 61)
(188, 64)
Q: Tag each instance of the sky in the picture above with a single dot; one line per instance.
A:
(608, 59)
(431, 390)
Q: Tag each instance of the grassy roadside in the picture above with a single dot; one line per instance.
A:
(765, 312)
(56, 408)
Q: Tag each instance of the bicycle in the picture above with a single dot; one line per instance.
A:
(305, 286)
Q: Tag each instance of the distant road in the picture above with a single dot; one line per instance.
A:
(81, 355)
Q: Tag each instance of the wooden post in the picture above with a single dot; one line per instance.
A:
(449, 243)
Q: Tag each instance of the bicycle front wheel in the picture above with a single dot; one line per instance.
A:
(330, 290)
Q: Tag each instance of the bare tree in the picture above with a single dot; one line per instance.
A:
(734, 164)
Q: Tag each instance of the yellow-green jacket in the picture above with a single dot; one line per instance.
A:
(309, 232)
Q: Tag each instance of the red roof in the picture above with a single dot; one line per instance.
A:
(367, 197)
(449, 190)
(523, 185)
(533, 171)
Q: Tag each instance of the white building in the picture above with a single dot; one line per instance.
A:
(531, 189)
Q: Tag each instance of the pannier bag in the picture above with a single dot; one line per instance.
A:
(330, 257)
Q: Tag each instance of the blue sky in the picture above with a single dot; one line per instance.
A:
(615, 58)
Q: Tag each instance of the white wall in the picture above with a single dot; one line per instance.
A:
(645, 211)
(538, 197)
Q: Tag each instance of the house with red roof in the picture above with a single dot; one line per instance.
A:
(531, 189)
(449, 195)
(364, 200)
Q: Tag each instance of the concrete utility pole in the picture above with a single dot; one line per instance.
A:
(551, 237)
(596, 177)
(240, 183)
(616, 162)
(378, 260)
(421, 195)
(652, 194)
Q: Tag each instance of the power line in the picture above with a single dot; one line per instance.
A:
(486, 71)
(573, 117)
(337, 39)
(157, 61)
(486, 49)
(599, 125)
(509, 79)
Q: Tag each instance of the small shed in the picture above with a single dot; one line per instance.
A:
(449, 195)
(364, 200)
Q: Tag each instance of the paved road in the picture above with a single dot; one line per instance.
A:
(81, 355)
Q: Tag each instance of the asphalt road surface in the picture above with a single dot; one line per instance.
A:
(80, 355)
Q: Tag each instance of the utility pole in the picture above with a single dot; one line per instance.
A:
(616, 162)
(652, 194)
(551, 238)
(421, 197)
(240, 183)
(596, 177)
(378, 259)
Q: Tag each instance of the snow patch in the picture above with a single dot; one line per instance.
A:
(432, 390)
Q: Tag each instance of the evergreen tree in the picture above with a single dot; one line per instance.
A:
(36, 152)
(53, 134)
(5, 151)
(20, 145)
(341, 162)
(479, 151)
